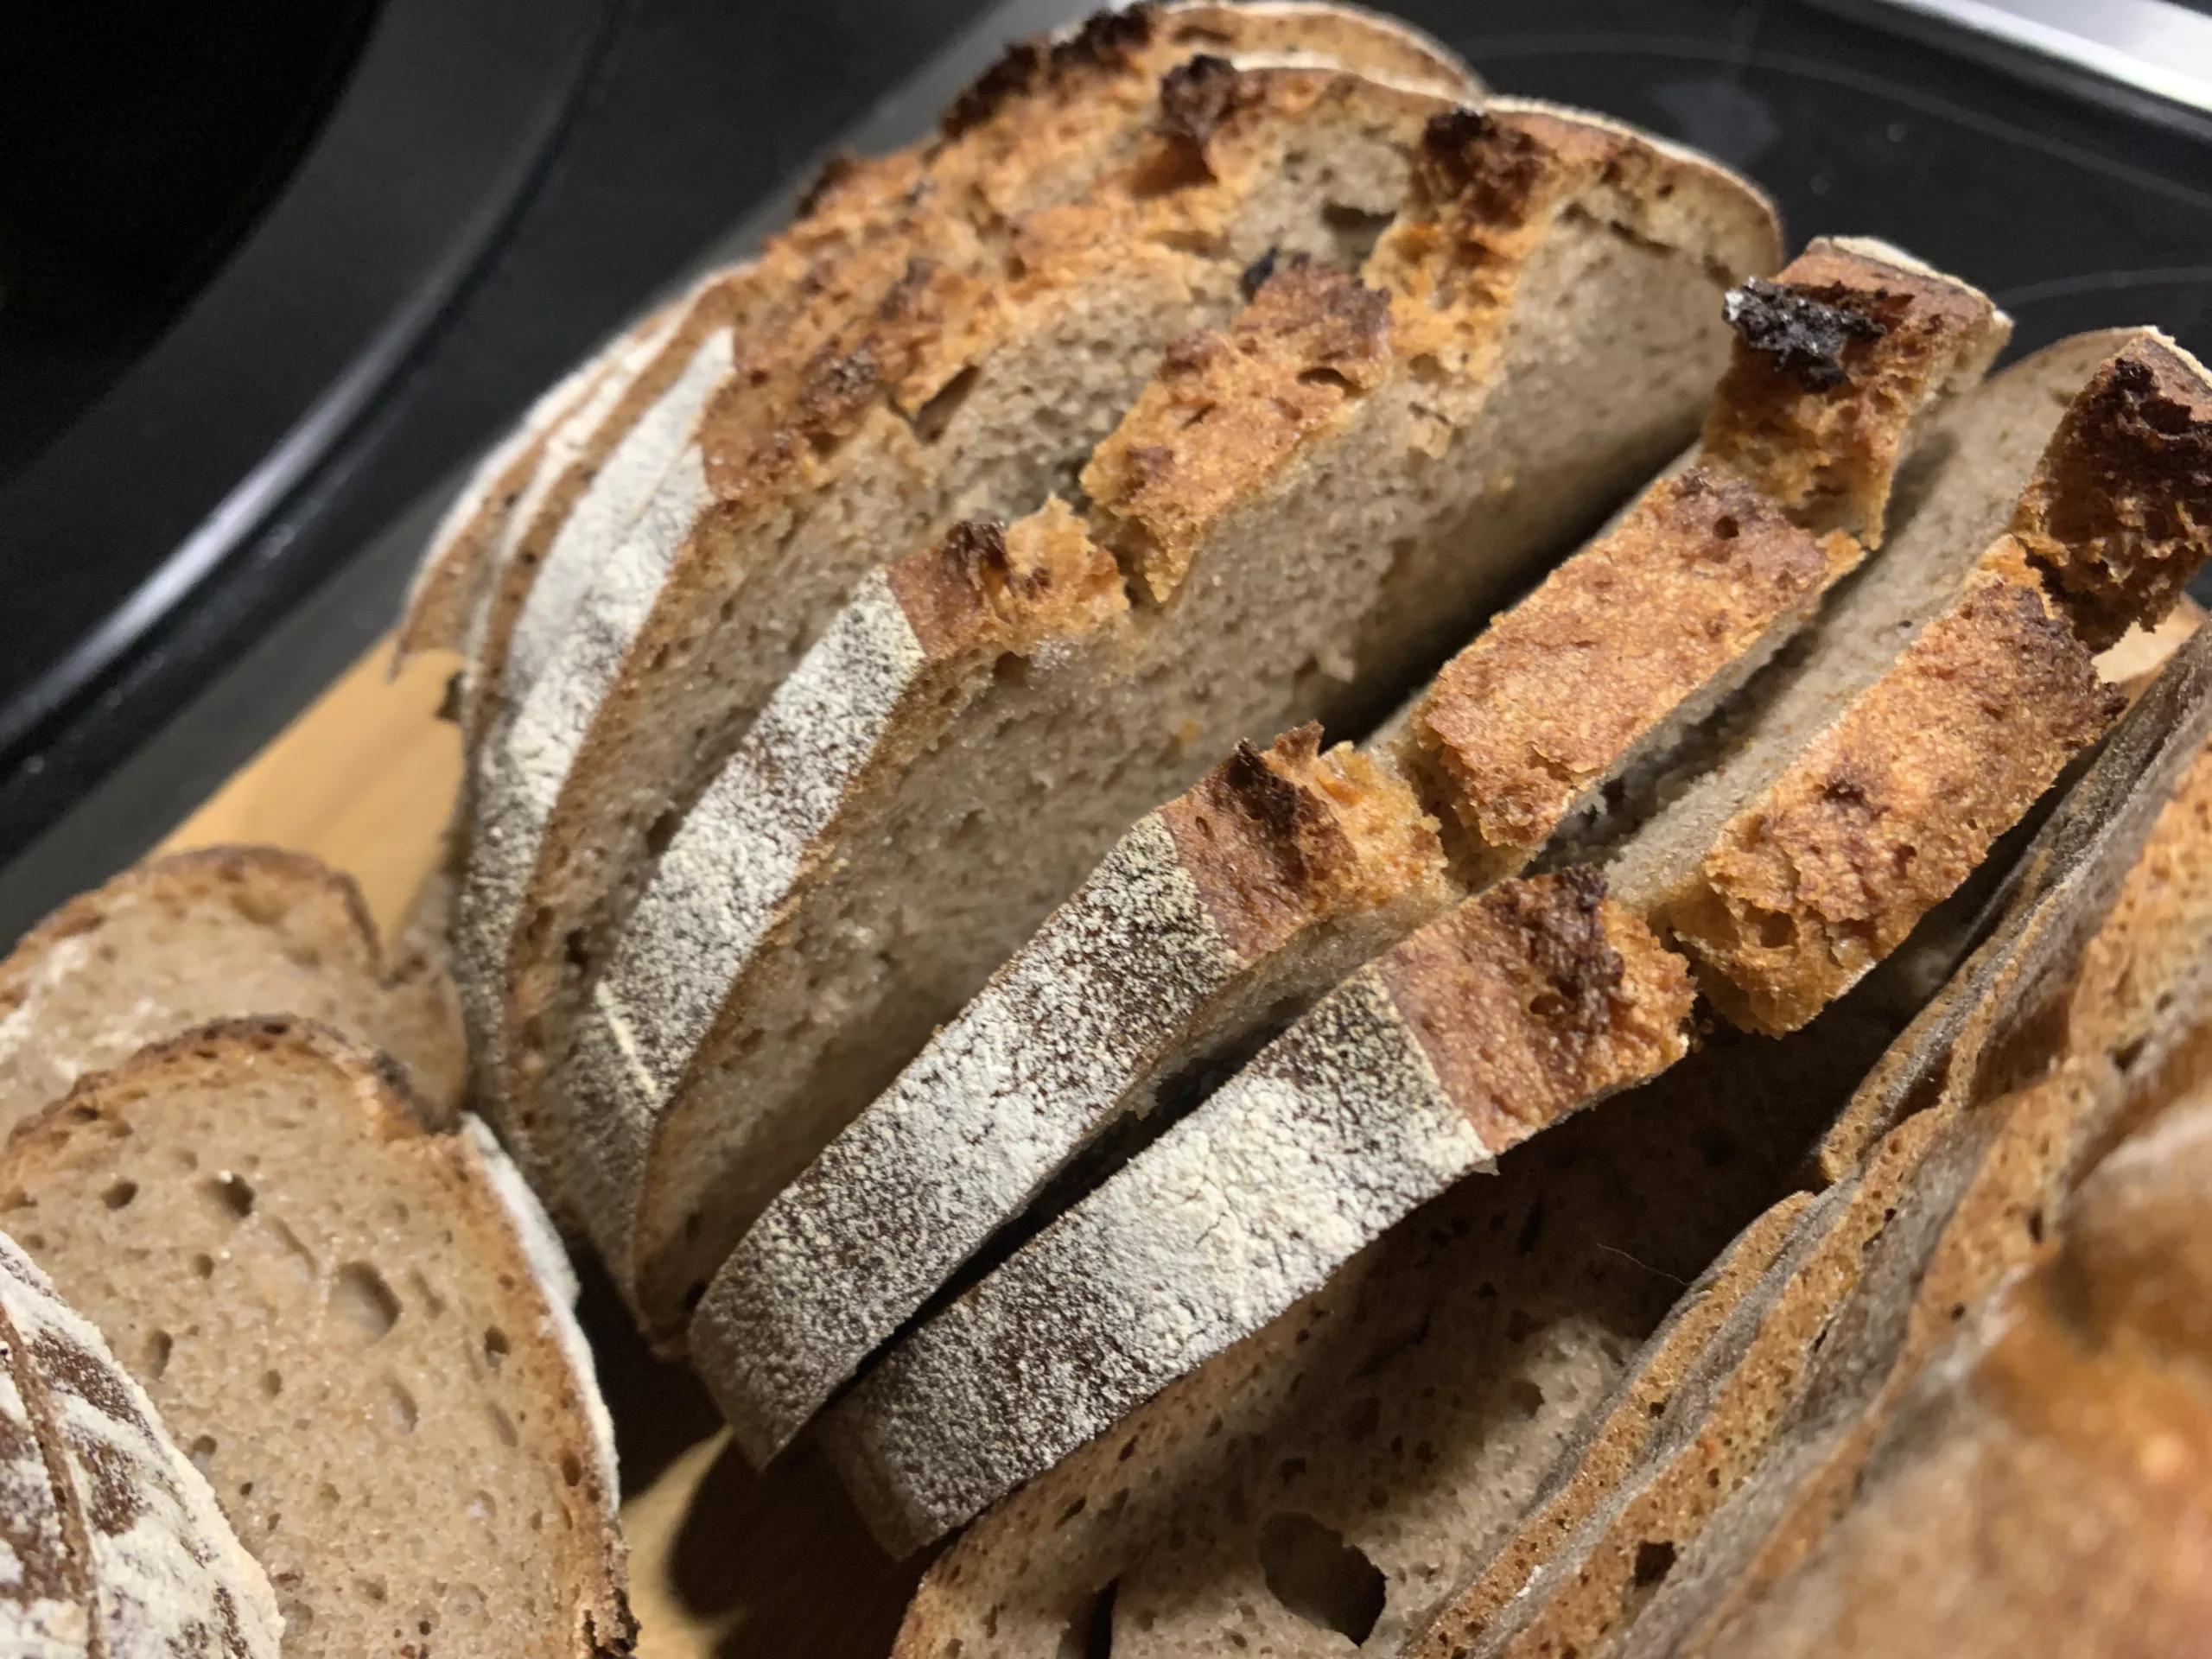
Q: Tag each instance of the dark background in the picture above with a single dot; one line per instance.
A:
(269, 274)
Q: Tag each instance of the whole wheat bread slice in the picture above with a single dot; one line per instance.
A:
(1206, 927)
(963, 358)
(347, 1323)
(2042, 1487)
(973, 1402)
(1370, 1448)
(113, 1543)
(1336, 513)
(221, 932)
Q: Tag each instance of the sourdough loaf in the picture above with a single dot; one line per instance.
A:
(2042, 1487)
(1084, 206)
(1333, 1477)
(1203, 930)
(970, 1403)
(343, 1321)
(1023, 684)
(113, 1543)
(200, 936)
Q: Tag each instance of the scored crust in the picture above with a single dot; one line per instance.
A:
(200, 935)
(289, 1132)
(114, 1545)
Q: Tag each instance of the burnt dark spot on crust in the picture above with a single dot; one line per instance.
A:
(841, 166)
(1483, 168)
(1196, 97)
(977, 549)
(1796, 333)
(1272, 803)
(1561, 931)
(1256, 274)
(1107, 40)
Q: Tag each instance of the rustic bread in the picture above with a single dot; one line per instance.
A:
(2133, 1026)
(200, 936)
(1205, 928)
(926, 1443)
(2042, 1487)
(1791, 868)
(1410, 1407)
(113, 1543)
(1011, 682)
(342, 1319)
(1083, 206)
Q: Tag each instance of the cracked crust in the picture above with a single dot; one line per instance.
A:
(76, 1184)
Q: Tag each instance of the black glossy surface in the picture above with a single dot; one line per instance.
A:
(2073, 212)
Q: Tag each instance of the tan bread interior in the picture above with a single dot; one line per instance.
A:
(1330, 597)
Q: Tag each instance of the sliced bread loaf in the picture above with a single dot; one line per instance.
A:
(919, 1439)
(1086, 206)
(342, 1319)
(200, 936)
(1793, 866)
(1203, 930)
(1336, 505)
(113, 1544)
(1328, 1480)
(2042, 1487)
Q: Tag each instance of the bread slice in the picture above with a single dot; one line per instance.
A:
(1334, 1476)
(113, 1542)
(923, 1447)
(1205, 930)
(963, 359)
(2136, 1022)
(1793, 866)
(1011, 681)
(2042, 1487)
(200, 936)
(339, 1316)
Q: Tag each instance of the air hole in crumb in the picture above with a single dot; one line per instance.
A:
(229, 1194)
(203, 1265)
(1726, 528)
(1324, 376)
(933, 416)
(1528, 1398)
(504, 1428)
(202, 1453)
(272, 1383)
(361, 1296)
(1655, 1559)
(1072, 1511)
(159, 1347)
(1090, 1633)
(1314, 1573)
(1363, 1418)
(400, 1406)
(572, 1471)
(372, 1588)
(1771, 928)
(661, 830)
(120, 1194)
(495, 1347)
(2035, 1226)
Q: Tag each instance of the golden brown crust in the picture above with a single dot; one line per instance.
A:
(1536, 997)
(1312, 341)
(1605, 1459)
(1277, 839)
(2119, 514)
(989, 587)
(1884, 813)
(1837, 318)
(1557, 690)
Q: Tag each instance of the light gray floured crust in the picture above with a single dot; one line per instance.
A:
(1066, 227)
(1307, 863)
(338, 1317)
(1324, 432)
(1418, 1070)
(1132, 980)
(222, 932)
(111, 1543)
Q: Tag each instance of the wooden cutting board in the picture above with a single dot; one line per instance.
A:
(724, 1561)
